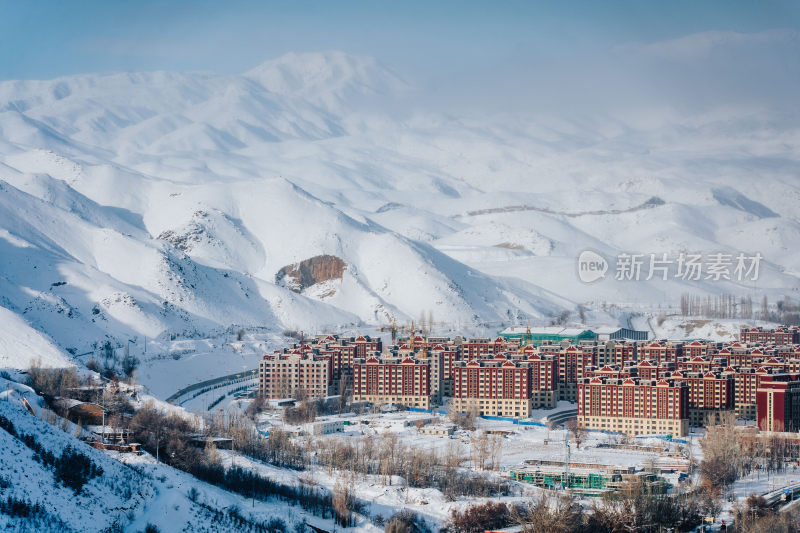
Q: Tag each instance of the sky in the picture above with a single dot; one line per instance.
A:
(472, 51)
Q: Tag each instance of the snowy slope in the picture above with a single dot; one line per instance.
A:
(21, 345)
(104, 500)
(131, 492)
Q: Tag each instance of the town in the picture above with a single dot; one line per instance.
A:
(618, 380)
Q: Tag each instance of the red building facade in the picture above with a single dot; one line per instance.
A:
(634, 406)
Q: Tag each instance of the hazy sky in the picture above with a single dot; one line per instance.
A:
(491, 50)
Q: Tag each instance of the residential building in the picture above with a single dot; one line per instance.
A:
(634, 406)
(778, 403)
(711, 395)
(289, 375)
(400, 381)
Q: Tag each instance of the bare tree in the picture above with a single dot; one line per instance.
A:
(479, 446)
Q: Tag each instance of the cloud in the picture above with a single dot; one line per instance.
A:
(695, 73)
(700, 46)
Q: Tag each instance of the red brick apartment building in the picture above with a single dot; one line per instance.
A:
(780, 335)
(650, 369)
(661, 351)
(746, 383)
(505, 387)
(501, 378)
(634, 406)
(482, 348)
(625, 352)
(778, 403)
(711, 393)
(609, 371)
(364, 346)
(573, 363)
(284, 375)
(400, 381)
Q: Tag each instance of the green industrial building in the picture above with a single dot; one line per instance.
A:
(546, 335)
(539, 335)
(589, 482)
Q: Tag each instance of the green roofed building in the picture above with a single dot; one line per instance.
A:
(538, 335)
(546, 334)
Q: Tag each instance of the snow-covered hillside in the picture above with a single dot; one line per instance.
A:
(123, 491)
(113, 493)
(162, 203)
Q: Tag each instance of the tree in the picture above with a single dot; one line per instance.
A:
(344, 392)
(406, 522)
(721, 460)
(755, 516)
(551, 515)
(480, 518)
(464, 420)
(129, 364)
(577, 432)
(710, 498)
(635, 508)
(52, 381)
(343, 502)
(479, 445)
(255, 407)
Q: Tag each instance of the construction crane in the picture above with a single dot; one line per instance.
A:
(399, 329)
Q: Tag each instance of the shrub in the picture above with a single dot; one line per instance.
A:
(406, 522)
(479, 518)
(276, 525)
(74, 469)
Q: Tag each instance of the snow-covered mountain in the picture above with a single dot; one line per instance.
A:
(157, 203)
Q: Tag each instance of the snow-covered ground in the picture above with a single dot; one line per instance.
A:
(110, 498)
(153, 212)
(517, 445)
(132, 491)
(153, 493)
(172, 509)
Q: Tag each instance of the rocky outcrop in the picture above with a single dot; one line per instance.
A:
(311, 271)
(192, 233)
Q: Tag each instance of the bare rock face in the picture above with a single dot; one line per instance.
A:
(311, 271)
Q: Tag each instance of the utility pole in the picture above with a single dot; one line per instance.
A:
(569, 458)
(103, 410)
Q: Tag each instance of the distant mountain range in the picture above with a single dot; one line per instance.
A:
(285, 197)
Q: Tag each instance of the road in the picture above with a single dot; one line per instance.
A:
(192, 391)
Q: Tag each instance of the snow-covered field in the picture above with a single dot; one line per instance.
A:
(517, 444)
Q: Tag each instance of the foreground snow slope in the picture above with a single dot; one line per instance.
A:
(104, 500)
(132, 491)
